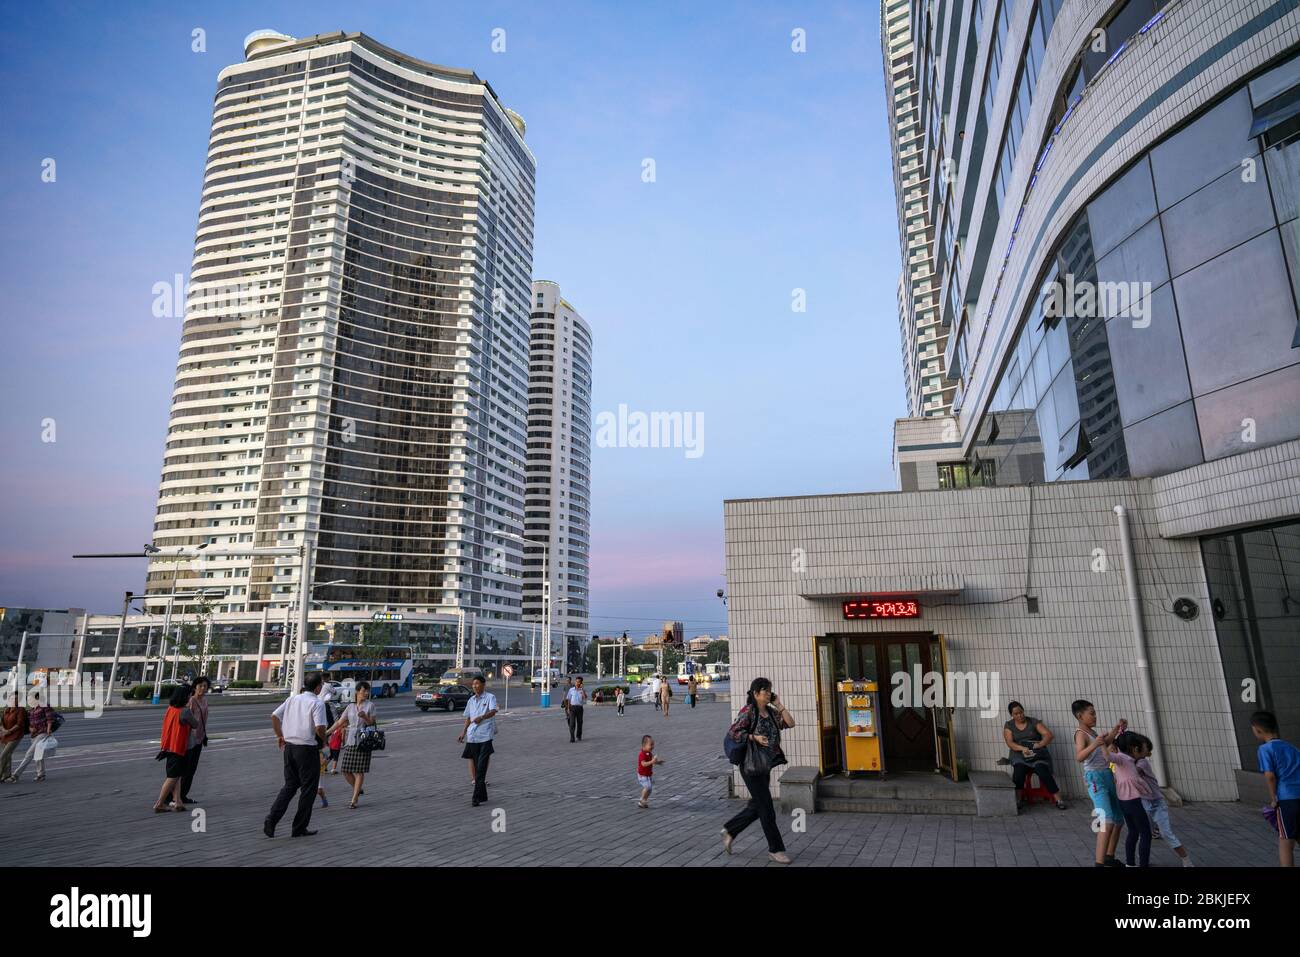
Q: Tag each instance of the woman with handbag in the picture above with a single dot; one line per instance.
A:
(355, 763)
(757, 729)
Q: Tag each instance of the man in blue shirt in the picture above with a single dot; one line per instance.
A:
(477, 734)
(575, 698)
(1280, 762)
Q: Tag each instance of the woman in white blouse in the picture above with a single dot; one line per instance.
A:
(355, 763)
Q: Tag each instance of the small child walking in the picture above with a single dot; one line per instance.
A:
(620, 699)
(1280, 762)
(1157, 808)
(646, 760)
(336, 745)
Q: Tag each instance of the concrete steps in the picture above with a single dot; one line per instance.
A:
(917, 793)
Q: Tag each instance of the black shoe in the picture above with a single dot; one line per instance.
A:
(303, 834)
(475, 802)
(1113, 862)
(268, 829)
(189, 800)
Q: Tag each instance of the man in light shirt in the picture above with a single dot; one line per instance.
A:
(477, 734)
(575, 698)
(299, 726)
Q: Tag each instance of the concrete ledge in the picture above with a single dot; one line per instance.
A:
(995, 794)
(799, 790)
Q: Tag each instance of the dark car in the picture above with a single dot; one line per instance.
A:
(446, 697)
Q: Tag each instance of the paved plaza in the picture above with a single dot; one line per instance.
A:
(550, 802)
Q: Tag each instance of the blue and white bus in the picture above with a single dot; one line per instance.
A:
(388, 674)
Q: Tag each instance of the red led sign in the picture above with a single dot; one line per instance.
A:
(882, 608)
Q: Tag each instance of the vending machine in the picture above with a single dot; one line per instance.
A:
(859, 719)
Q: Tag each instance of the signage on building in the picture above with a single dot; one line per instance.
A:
(386, 616)
(884, 606)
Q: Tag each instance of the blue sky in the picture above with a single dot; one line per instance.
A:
(773, 174)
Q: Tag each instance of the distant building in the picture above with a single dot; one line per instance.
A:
(51, 636)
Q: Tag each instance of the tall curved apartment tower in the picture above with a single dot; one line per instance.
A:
(353, 361)
(923, 338)
(557, 517)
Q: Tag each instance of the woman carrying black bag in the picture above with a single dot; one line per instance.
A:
(757, 729)
(355, 763)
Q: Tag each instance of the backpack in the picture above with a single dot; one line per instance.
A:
(734, 750)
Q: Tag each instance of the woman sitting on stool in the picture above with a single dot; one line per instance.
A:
(1028, 739)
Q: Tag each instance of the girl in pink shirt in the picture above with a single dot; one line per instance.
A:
(1132, 788)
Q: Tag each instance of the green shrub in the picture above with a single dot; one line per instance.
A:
(141, 692)
(245, 683)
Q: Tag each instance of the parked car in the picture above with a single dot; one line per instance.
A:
(220, 684)
(445, 697)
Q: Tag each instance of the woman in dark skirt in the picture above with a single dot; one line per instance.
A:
(355, 763)
(177, 722)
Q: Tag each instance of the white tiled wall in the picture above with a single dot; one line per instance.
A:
(1080, 644)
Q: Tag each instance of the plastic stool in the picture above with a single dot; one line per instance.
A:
(1034, 789)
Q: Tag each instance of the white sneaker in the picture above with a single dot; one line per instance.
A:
(1187, 862)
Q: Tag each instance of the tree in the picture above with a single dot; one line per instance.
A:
(717, 651)
(195, 648)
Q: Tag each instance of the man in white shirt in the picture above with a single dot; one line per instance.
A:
(299, 725)
(575, 698)
(477, 734)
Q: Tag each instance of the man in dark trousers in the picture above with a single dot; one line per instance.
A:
(299, 726)
(575, 698)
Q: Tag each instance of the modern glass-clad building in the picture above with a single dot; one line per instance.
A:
(1112, 508)
(353, 365)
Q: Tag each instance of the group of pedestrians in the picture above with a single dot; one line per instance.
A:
(304, 728)
(39, 722)
(184, 736)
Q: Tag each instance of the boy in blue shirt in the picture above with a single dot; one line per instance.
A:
(1280, 762)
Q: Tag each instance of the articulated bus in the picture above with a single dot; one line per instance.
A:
(388, 674)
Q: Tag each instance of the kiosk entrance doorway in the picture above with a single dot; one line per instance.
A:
(906, 727)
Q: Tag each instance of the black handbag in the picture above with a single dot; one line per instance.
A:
(758, 761)
(370, 738)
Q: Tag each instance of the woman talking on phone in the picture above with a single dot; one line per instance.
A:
(758, 730)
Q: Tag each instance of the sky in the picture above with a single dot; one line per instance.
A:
(772, 176)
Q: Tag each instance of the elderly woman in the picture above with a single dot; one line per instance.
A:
(1028, 739)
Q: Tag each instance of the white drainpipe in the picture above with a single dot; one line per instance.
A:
(1152, 729)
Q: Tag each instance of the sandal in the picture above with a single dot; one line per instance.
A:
(160, 809)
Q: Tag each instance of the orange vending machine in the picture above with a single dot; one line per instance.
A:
(859, 719)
